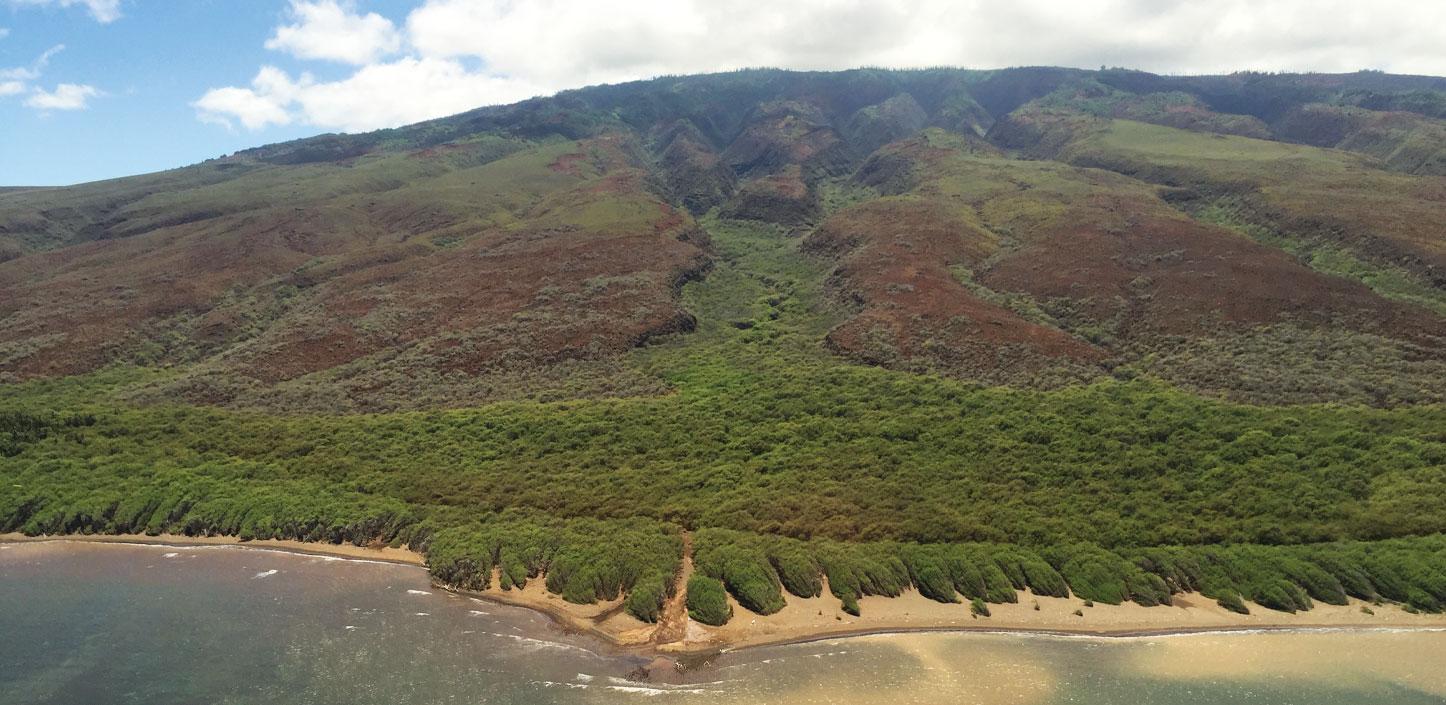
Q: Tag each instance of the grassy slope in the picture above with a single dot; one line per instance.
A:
(765, 433)
(792, 464)
(398, 280)
(1308, 192)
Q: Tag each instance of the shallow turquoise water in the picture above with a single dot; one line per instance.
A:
(97, 624)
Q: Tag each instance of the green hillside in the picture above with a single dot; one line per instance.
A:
(1097, 333)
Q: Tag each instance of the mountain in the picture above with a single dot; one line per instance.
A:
(1070, 317)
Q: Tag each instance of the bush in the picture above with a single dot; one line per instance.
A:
(645, 601)
(708, 601)
(740, 562)
(797, 570)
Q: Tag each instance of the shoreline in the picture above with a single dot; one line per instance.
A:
(396, 556)
(1087, 634)
(810, 620)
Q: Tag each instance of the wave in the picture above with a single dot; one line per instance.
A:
(583, 681)
(651, 690)
(540, 643)
(562, 684)
(239, 546)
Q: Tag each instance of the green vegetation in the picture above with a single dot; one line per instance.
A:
(1293, 364)
(575, 434)
(708, 601)
(815, 466)
(1288, 578)
(1323, 256)
(583, 560)
(19, 429)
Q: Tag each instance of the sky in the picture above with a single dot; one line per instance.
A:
(93, 89)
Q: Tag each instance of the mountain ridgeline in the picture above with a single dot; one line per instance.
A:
(1101, 333)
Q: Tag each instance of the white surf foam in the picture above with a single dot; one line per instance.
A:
(654, 690)
(540, 643)
(555, 684)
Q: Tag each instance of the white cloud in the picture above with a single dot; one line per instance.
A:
(66, 96)
(405, 91)
(104, 11)
(265, 103)
(14, 80)
(460, 54)
(31, 72)
(327, 29)
(4, 32)
(381, 95)
(582, 41)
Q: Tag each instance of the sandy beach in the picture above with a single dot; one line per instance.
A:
(341, 550)
(808, 619)
(821, 617)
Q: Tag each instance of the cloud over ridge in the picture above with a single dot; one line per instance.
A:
(451, 55)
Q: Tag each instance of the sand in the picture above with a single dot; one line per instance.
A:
(343, 550)
(1374, 658)
(807, 619)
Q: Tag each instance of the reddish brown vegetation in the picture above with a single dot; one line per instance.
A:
(585, 267)
(781, 198)
(1101, 255)
(485, 243)
(895, 257)
(787, 133)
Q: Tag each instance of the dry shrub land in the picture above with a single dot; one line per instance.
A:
(1106, 334)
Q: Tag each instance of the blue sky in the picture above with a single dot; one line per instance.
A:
(149, 65)
(93, 89)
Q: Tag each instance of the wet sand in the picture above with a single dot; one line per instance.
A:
(1373, 657)
(805, 619)
(812, 619)
(341, 550)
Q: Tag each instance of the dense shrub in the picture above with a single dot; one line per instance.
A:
(708, 601)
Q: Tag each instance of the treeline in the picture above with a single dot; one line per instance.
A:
(67, 498)
(586, 560)
(757, 569)
(582, 560)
